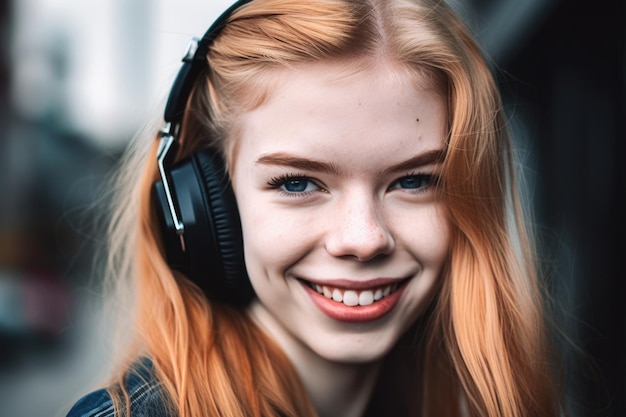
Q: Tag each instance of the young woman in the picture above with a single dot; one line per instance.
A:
(374, 259)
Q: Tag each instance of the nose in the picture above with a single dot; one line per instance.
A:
(358, 230)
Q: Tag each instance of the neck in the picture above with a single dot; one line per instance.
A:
(336, 389)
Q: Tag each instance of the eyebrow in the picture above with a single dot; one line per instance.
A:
(294, 161)
(289, 160)
(429, 157)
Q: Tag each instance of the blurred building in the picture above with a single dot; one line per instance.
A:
(77, 80)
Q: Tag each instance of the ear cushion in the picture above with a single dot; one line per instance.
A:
(213, 257)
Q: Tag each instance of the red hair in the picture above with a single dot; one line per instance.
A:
(483, 345)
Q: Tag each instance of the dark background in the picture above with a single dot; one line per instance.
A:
(566, 82)
(561, 66)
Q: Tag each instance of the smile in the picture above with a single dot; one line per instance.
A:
(354, 298)
(356, 302)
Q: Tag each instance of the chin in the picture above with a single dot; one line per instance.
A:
(353, 351)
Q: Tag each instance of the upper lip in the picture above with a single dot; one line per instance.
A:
(352, 284)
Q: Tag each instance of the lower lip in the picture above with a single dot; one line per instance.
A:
(356, 314)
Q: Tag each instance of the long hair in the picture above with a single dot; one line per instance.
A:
(483, 348)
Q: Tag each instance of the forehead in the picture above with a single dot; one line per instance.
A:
(378, 70)
(343, 106)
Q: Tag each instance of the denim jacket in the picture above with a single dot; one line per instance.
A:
(146, 399)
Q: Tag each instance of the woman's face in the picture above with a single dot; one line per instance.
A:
(344, 235)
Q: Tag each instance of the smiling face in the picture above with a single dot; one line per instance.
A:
(344, 236)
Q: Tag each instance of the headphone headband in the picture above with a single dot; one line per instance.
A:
(194, 64)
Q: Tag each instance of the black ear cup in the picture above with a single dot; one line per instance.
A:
(211, 253)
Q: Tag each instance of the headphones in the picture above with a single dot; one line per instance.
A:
(194, 201)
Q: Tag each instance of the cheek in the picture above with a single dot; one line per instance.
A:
(429, 238)
(271, 241)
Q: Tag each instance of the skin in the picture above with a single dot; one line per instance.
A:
(357, 209)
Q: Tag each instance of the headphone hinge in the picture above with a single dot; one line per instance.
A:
(192, 48)
(165, 153)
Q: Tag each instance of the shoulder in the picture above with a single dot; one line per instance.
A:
(97, 403)
(146, 397)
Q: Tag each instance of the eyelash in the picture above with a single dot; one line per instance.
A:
(278, 182)
(431, 181)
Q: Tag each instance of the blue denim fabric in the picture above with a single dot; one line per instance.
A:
(146, 399)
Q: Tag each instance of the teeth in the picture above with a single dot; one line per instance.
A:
(366, 298)
(350, 298)
(355, 298)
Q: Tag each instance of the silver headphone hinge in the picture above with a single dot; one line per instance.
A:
(163, 153)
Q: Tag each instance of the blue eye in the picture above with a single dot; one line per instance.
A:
(292, 184)
(297, 185)
(413, 182)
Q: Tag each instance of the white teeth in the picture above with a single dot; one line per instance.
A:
(366, 298)
(354, 298)
(327, 292)
(350, 298)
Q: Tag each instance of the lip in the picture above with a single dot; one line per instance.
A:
(356, 314)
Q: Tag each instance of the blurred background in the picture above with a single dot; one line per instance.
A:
(78, 79)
